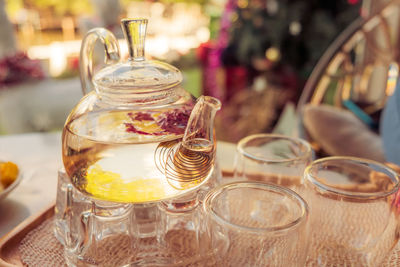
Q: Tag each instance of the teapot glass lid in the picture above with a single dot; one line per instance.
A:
(137, 73)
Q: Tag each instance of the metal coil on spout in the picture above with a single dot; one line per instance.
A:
(161, 153)
(185, 162)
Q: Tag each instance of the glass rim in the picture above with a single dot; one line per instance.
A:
(303, 206)
(297, 141)
(349, 194)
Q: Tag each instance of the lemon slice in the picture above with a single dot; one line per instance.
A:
(110, 186)
(148, 126)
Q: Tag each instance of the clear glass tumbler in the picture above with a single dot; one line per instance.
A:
(353, 213)
(272, 158)
(256, 224)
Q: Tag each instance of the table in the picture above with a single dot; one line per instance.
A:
(38, 106)
(39, 157)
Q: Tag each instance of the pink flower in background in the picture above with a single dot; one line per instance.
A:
(19, 68)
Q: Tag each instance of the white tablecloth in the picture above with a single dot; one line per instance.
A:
(39, 157)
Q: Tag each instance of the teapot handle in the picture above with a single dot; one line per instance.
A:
(111, 49)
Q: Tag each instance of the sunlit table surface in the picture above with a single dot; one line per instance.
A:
(39, 157)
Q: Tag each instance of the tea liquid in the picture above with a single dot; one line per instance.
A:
(123, 170)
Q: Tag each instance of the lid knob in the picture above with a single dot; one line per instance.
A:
(135, 34)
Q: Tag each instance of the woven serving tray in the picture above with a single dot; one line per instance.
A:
(33, 244)
(9, 252)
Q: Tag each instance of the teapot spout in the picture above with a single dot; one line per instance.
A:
(187, 163)
(199, 134)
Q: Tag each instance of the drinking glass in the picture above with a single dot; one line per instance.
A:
(353, 213)
(272, 158)
(256, 224)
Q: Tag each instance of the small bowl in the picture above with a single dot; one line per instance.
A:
(11, 187)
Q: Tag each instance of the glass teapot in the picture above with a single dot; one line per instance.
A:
(136, 136)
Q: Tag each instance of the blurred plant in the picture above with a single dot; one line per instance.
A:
(294, 33)
(12, 6)
(19, 68)
(202, 2)
(69, 7)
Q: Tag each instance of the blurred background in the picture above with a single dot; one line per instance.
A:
(254, 55)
